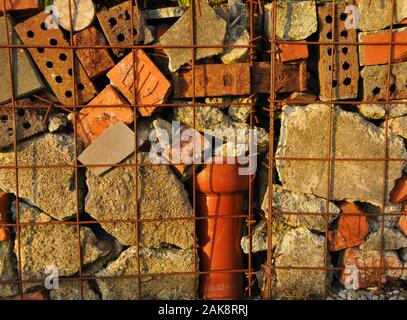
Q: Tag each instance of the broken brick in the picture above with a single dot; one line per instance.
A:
(94, 121)
(28, 122)
(19, 5)
(293, 51)
(342, 77)
(379, 54)
(28, 296)
(352, 228)
(56, 63)
(4, 203)
(152, 87)
(96, 62)
(399, 192)
(114, 145)
(368, 263)
(402, 224)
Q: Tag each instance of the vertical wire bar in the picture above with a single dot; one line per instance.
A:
(383, 270)
(78, 228)
(13, 103)
(135, 79)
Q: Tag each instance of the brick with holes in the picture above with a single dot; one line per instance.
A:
(152, 87)
(94, 121)
(375, 82)
(56, 63)
(20, 5)
(116, 25)
(96, 62)
(338, 67)
(28, 120)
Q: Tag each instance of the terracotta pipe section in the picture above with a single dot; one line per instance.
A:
(221, 192)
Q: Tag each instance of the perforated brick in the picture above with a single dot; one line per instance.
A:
(55, 63)
(345, 65)
(96, 62)
(28, 121)
(152, 87)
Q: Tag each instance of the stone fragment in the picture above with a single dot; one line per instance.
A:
(55, 63)
(44, 245)
(375, 82)
(230, 149)
(393, 239)
(4, 206)
(160, 195)
(378, 111)
(235, 111)
(113, 146)
(302, 249)
(367, 263)
(96, 62)
(152, 261)
(376, 14)
(93, 122)
(180, 33)
(292, 51)
(116, 25)
(374, 214)
(352, 228)
(379, 54)
(150, 88)
(28, 121)
(237, 55)
(294, 206)
(37, 184)
(343, 81)
(7, 272)
(296, 20)
(398, 126)
(25, 76)
(216, 123)
(71, 290)
(403, 254)
(57, 121)
(164, 13)
(399, 193)
(304, 134)
(21, 5)
(76, 15)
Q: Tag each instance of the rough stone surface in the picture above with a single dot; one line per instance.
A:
(236, 55)
(403, 254)
(57, 121)
(376, 15)
(160, 195)
(211, 118)
(7, 272)
(378, 111)
(304, 134)
(236, 112)
(151, 261)
(301, 248)
(393, 240)
(164, 13)
(45, 245)
(286, 202)
(205, 19)
(71, 290)
(398, 126)
(51, 189)
(296, 20)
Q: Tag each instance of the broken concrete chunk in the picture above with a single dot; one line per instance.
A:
(57, 121)
(303, 134)
(296, 20)
(37, 184)
(47, 245)
(237, 55)
(26, 79)
(7, 272)
(113, 146)
(150, 88)
(299, 247)
(286, 202)
(164, 13)
(75, 16)
(235, 112)
(393, 240)
(160, 195)
(398, 126)
(28, 121)
(378, 111)
(152, 261)
(205, 18)
(71, 290)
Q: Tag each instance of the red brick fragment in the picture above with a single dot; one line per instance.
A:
(152, 87)
(399, 192)
(96, 62)
(94, 121)
(4, 203)
(19, 5)
(403, 221)
(293, 51)
(28, 296)
(352, 228)
(379, 54)
(368, 262)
